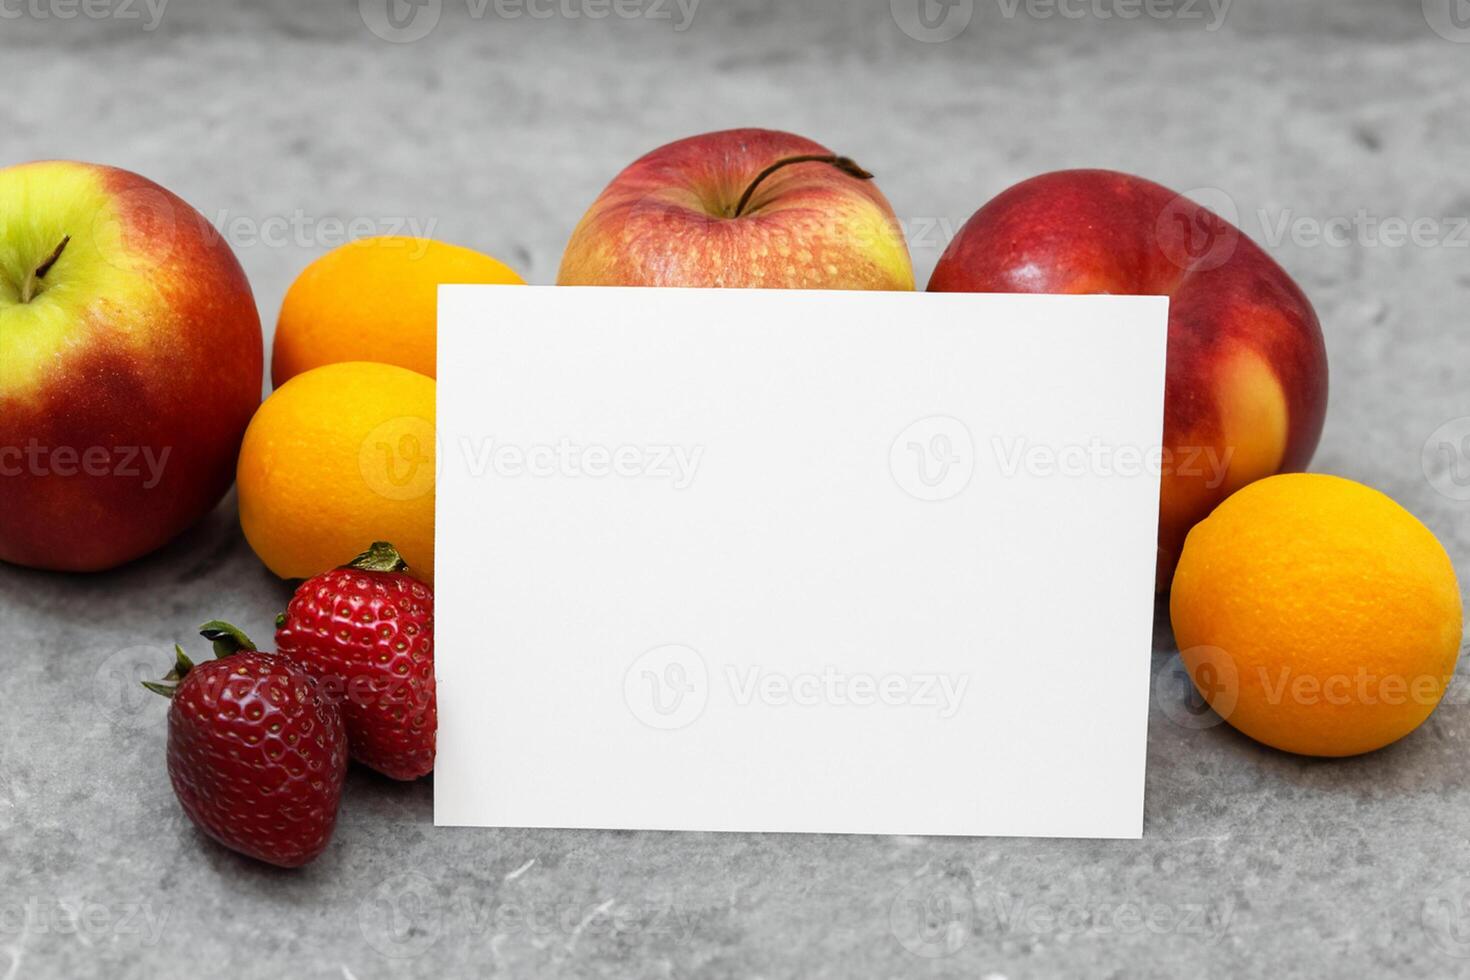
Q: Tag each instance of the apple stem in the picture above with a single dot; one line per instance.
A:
(28, 293)
(846, 164)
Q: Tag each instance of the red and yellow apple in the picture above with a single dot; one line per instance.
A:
(130, 364)
(740, 208)
(1246, 387)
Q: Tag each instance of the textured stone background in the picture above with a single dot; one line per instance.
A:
(280, 118)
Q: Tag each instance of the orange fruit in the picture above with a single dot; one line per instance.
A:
(1316, 615)
(335, 459)
(375, 299)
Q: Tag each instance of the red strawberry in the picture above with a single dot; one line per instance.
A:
(256, 755)
(366, 632)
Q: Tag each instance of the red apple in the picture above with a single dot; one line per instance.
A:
(743, 207)
(130, 364)
(1246, 390)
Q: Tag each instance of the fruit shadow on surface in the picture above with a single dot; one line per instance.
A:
(372, 805)
(1424, 762)
(211, 559)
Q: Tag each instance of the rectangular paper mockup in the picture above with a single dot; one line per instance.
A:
(760, 560)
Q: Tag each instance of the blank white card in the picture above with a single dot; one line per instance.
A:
(761, 560)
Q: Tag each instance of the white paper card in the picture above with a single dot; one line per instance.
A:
(759, 560)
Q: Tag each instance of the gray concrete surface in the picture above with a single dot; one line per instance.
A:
(279, 119)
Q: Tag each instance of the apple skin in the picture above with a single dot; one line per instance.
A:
(127, 380)
(1246, 385)
(669, 220)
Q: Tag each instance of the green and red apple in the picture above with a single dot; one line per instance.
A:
(1246, 387)
(130, 364)
(740, 208)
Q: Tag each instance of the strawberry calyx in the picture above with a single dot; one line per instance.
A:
(170, 683)
(380, 557)
(225, 639)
